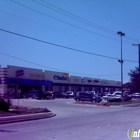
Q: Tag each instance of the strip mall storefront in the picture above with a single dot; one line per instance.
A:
(23, 79)
(60, 81)
(14, 79)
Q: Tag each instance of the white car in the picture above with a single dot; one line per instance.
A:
(117, 95)
(69, 94)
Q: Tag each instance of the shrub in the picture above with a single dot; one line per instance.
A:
(24, 109)
(4, 106)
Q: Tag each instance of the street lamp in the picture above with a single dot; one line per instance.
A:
(139, 53)
(121, 60)
(139, 61)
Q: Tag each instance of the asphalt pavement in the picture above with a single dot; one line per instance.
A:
(74, 122)
(27, 117)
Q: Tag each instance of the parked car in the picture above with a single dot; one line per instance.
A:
(87, 96)
(69, 94)
(93, 92)
(103, 94)
(60, 94)
(136, 95)
(106, 93)
(49, 95)
(34, 94)
(127, 97)
(117, 96)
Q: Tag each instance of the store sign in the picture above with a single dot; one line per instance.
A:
(19, 73)
(34, 75)
(96, 81)
(76, 80)
(56, 77)
(104, 82)
(89, 81)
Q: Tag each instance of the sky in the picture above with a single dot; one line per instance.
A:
(75, 36)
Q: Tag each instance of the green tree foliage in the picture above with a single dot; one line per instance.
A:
(134, 80)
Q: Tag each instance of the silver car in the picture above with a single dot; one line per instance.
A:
(117, 95)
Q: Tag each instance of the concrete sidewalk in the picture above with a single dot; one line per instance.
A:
(25, 117)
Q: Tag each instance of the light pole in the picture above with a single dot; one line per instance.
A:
(121, 60)
(139, 62)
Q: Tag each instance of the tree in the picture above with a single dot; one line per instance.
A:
(135, 80)
(127, 86)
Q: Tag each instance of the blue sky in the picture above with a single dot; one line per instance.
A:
(86, 25)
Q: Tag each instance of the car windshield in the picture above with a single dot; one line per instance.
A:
(93, 92)
(136, 93)
(118, 93)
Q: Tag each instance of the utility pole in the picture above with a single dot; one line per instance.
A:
(139, 63)
(121, 60)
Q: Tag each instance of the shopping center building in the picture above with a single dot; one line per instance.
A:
(15, 78)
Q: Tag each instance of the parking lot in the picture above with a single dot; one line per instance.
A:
(74, 121)
(133, 102)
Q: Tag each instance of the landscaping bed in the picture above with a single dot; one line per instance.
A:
(21, 110)
(133, 102)
(116, 103)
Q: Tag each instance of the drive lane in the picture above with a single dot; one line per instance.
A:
(74, 122)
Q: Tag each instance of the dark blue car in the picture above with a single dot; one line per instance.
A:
(87, 96)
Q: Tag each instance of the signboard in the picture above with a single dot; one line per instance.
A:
(24, 73)
(57, 77)
(104, 82)
(75, 80)
(96, 81)
(87, 81)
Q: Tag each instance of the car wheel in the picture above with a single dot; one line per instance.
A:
(96, 100)
(33, 97)
(92, 100)
(107, 99)
(77, 99)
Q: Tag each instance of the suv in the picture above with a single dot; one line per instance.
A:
(87, 96)
(49, 95)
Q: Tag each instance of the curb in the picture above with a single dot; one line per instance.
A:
(108, 105)
(90, 104)
(102, 105)
(27, 117)
(130, 105)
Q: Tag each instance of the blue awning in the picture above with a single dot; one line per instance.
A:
(27, 81)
